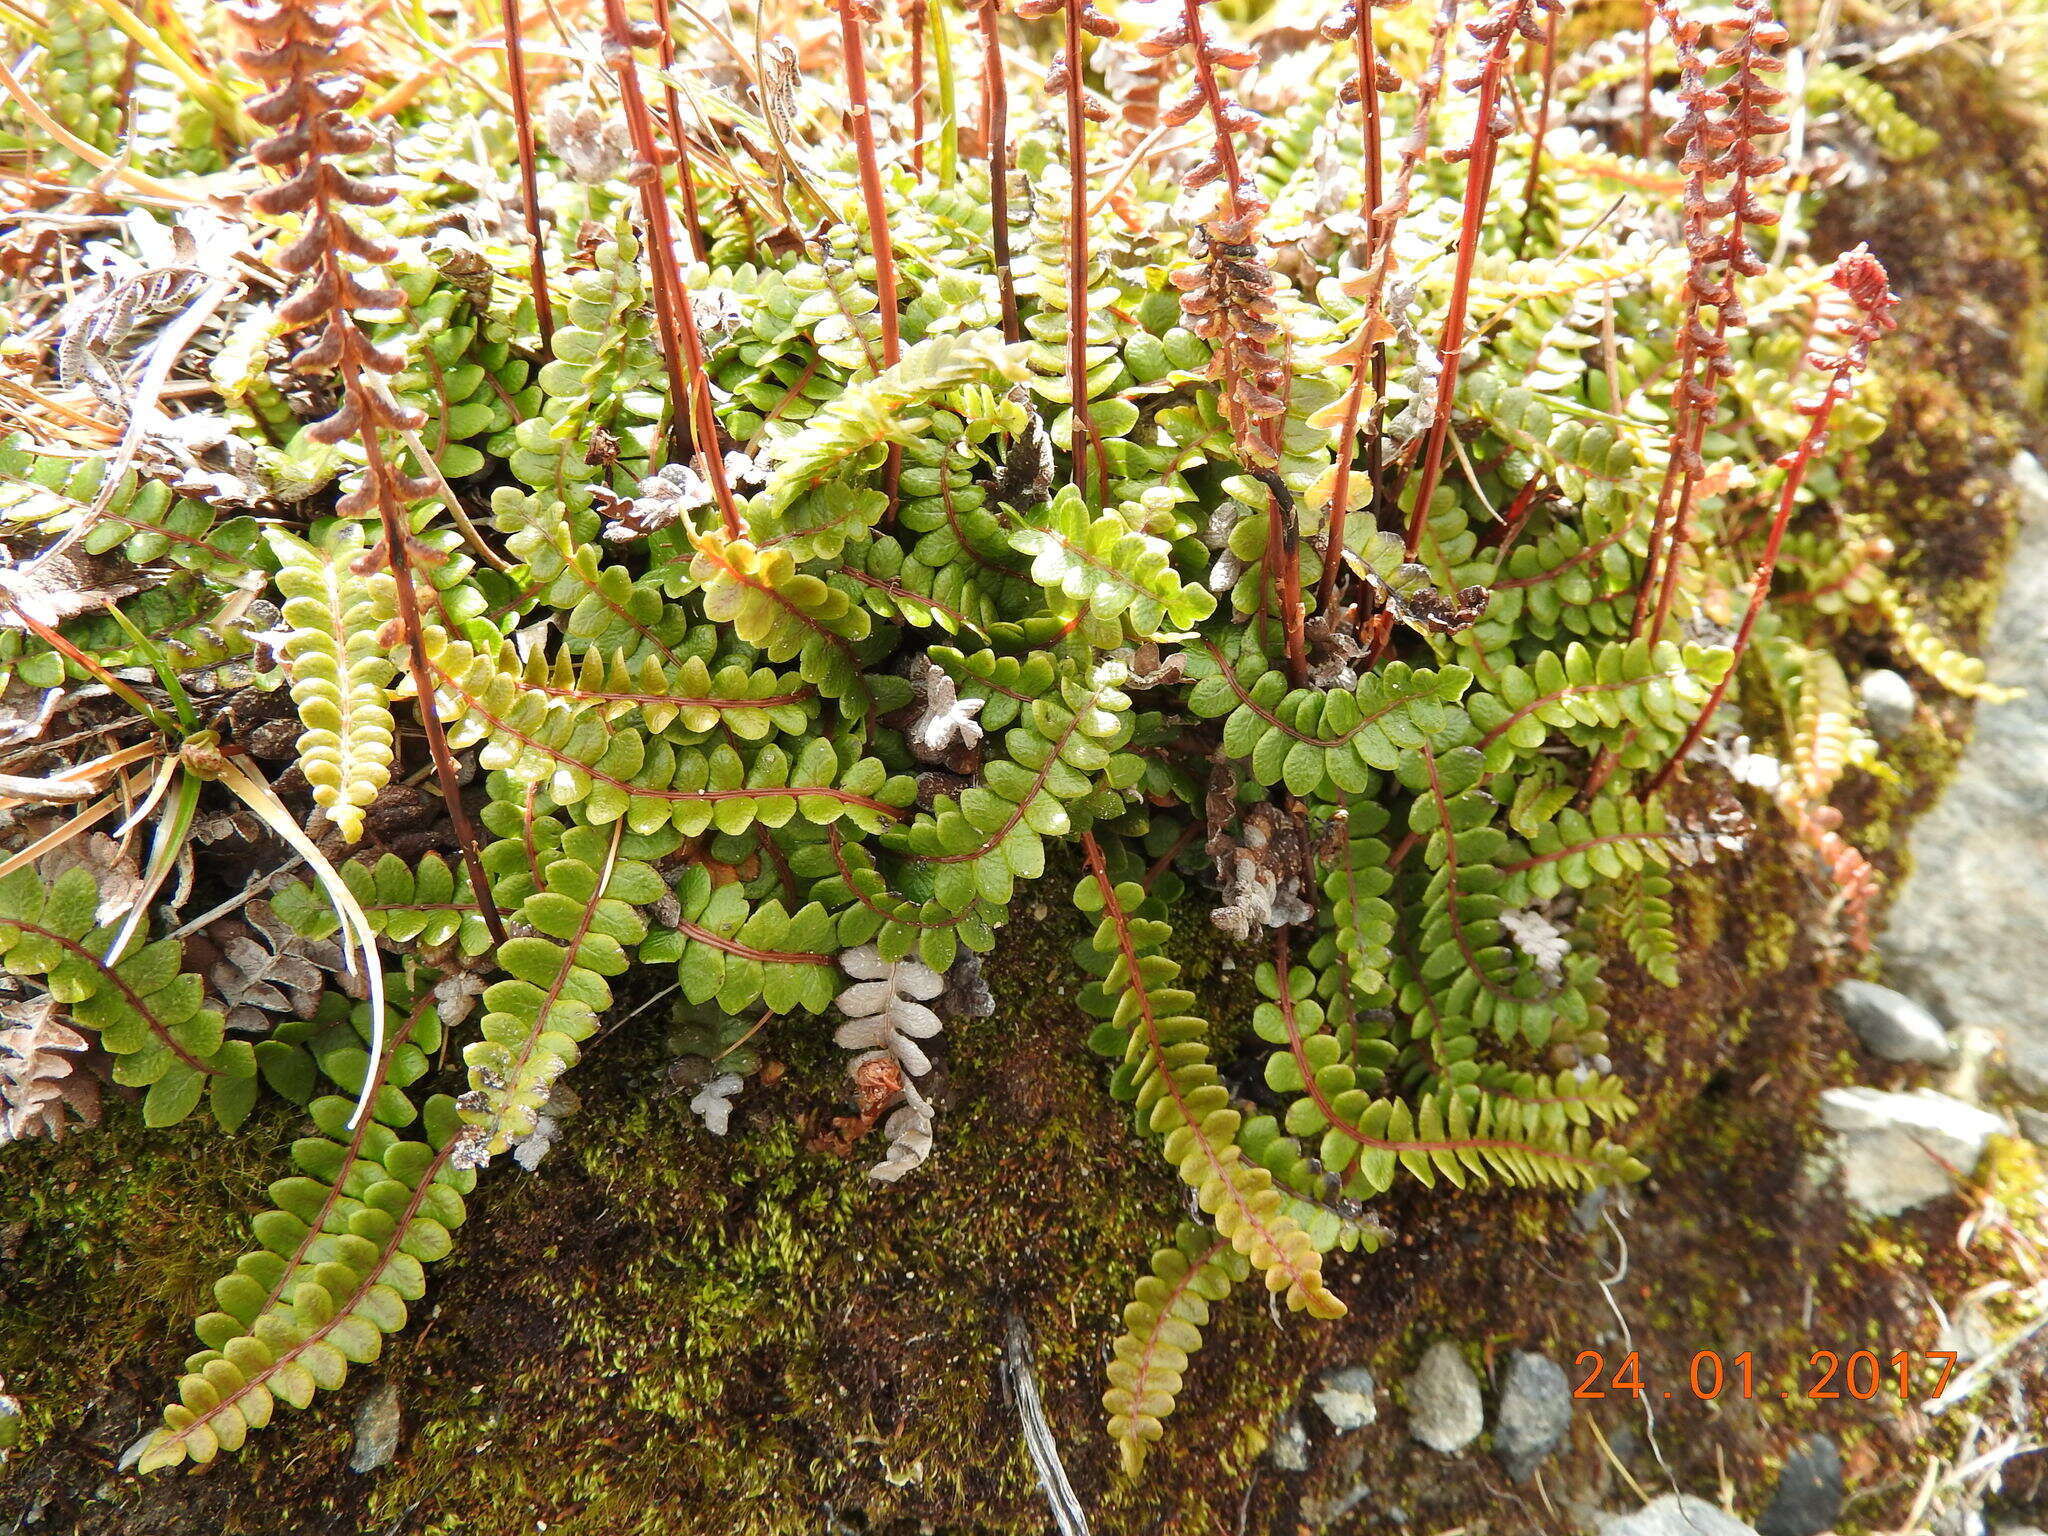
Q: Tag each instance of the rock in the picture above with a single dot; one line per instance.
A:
(1586, 1214)
(1808, 1497)
(1444, 1408)
(2034, 1124)
(1320, 1511)
(1897, 1148)
(1533, 1415)
(1289, 1449)
(1346, 1398)
(1890, 1024)
(377, 1426)
(1964, 930)
(2026, 1062)
(1888, 702)
(1675, 1514)
(1976, 1049)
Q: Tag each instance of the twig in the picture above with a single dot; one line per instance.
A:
(1069, 1519)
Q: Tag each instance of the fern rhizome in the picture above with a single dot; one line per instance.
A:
(744, 522)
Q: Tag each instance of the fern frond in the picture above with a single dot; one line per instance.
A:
(1642, 901)
(1177, 1094)
(1109, 575)
(341, 673)
(811, 509)
(738, 953)
(1163, 1325)
(426, 902)
(341, 1257)
(1067, 745)
(788, 614)
(1462, 1132)
(1959, 674)
(1825, 735)
(620, 773)
(145, 1009)
(1619, 692)
(577, 928)
(1461, 950)
(1612, 837)
(1322, 742)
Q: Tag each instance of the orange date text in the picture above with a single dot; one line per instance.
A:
(1863, 1374)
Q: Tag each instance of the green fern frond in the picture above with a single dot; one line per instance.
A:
(339, 1258)
(1163, 1325)
(145, 1009)
(341, 671)
(1166, 1072)
(1115, 578)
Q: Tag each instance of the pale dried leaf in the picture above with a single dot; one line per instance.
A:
(62, 587)
(111, 865)
(41, 1076)
(712, 1103)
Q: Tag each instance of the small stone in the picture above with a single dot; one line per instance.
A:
(1888, 703)
(1675, 1514)
(2026, 1063)
(1534, 1413)
(1897, 1148)
(1445, 1412)
(1890, 1024)
(2033, 1126)
(1321, 1511)
(1808, 1497)
(1586, 1214)
(1346, 1398)
(1290, 1445)
(377, 1426)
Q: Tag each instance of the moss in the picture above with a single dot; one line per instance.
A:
(665, 1333)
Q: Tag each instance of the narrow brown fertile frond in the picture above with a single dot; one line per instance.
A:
(1354, 20)
(306, 54)
(1063, 79)
(1722, 131)
(1496, 31)
(682, 345)
(1228, 299)
(1840, 351)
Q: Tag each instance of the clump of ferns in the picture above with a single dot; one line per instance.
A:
(870, 521)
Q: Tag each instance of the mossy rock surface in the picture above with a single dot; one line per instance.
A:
(662, 1332)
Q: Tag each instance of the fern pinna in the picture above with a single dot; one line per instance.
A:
(1357, 542)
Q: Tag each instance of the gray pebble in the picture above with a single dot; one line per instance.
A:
(2026, 1063)
(1890, 1024)
(377, 1427)
(1888, 703)
(1445, 1412)
(1808, 1497)
(1534, 1413)
(1290, 1445)
(1675, 1514)
(1346, 1398)
(1900, 1150)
